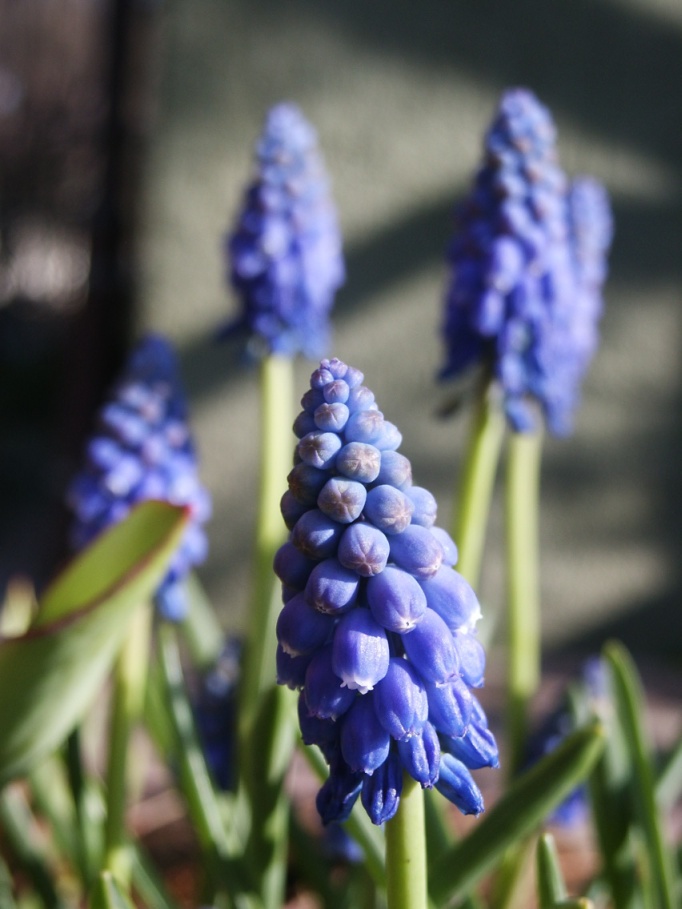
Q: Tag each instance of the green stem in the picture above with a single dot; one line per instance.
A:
(476, 487)
(276, 380)
(523, 616)
(126, 709)
(406, 851)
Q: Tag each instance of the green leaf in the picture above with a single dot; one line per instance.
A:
(551, 886)
(108, 894)
(50, 675)
(629, 701)
(517, 814)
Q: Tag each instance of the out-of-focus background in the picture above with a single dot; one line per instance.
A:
(126, 136)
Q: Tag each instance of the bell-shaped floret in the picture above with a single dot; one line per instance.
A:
(381, 791)
(477, 747)
(325, 694)
(291, 566)
(360, 654)
(365, 744)
(450, 707)
(331, 417)
(420, 756)
(339, 793)
(400, 700)
(396, 599)
(306, 482)
(471, 658)
(291, 669)
(431, 649)
(456, 783)
(417, 551)
(395, 470)
(450, 595)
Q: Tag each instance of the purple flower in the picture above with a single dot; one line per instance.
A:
(142, 449)
(377, 628)
(284, 254)
(528, 260)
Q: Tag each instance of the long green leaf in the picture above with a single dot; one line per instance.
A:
(525, 805)
(108, 894)
(551, 886)
(630, 706)
(50, 675)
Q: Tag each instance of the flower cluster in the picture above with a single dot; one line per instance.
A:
(141, 450)
(284, 255)
(377, 628)
(528, 263)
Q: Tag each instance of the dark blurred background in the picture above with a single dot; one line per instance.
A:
(126, 132)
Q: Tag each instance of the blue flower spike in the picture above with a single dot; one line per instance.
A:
(528, 262)
(378, 629)
(142, 449)
(284, 256)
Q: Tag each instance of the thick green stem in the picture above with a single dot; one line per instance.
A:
(126, 708)
(406, 883)
(523, 612)
(476, 487)
(276, 379)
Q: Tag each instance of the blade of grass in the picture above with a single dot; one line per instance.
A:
(518, 813)
(630, 706)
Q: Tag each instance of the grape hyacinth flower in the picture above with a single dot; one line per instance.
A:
(284, 254)
(215, 712)
(142, 449)
(528, 262)
(377, 630)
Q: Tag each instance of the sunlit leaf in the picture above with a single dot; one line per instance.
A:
(50, 674)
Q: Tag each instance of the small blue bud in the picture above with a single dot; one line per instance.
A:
(291, 509)
(458, 786)
(365, 744)
(450, 554)
(381, 791)
(425, 507)
(316, 535)
(360, 398)
(395, 470)
(291, 566)
(396, 600)
(417, 551)
(364, 548)
(331, 587)
(315, 731)
(336, 392)
(302, 629)
(360, 652)
(306, 482)
(342, 500)
(331, 417)
(364, 426)
(400, 700)
(359, 461)
(319, 449)
(388, 508)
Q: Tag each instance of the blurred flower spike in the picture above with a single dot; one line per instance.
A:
(142, 449)
(528, 258)
(377, 628)
(284, 256)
